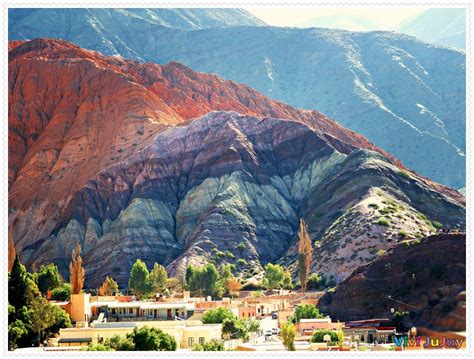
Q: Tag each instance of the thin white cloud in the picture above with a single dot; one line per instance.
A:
(376, 18)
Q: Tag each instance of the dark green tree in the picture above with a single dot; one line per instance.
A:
(212, 282)
(49, 278)
(18, 285)
(158, 278)
(62, 293)
(139, 280)
(188, 276)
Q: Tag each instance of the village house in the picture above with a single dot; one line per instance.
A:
(105, 317)
(370, 331)
(309, 326)
(186, 333)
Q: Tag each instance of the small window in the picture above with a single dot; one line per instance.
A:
(130, 311)
(201, 340)
(190, 342)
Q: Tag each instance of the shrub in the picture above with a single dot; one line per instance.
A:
(97, 348)
(383, 222)
(374, 205)
(318, 336)
(120, 343)
(436, 271)
(402, 234)
(241, 262)
(211, 346)
(241, 247)
(252, 286)
(220, 255)
(288, 333)
(381, 252)
(404, 174)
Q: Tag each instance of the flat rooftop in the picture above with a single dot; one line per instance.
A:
(144, 305)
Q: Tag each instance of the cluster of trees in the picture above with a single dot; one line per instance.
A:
(141, 339)
(143, 283)
(232, 327)
(31, 318)
(207, 280)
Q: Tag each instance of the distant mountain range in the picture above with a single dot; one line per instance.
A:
(392, 88)
(145, 161)
(442, 26)
(343, 22)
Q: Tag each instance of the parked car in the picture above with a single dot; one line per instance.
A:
(274, 316)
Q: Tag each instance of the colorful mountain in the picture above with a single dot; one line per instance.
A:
(162, 163)
(392, 88)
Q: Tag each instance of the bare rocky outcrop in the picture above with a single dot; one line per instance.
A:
(425, 277)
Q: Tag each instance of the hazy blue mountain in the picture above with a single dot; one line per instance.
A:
(440, 26)
(110, 30)
(406, 96)
(342, 21)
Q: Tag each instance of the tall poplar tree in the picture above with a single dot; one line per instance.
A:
(76, 271)
(305, 254)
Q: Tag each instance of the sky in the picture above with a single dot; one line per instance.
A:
(343, 17)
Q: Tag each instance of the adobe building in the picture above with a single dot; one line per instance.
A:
(186, 333)
(309, 326)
